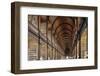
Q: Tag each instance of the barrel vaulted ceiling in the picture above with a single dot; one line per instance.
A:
(62, 28)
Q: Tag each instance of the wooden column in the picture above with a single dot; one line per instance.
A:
(39, 38)
(80, 46)
(47, 35)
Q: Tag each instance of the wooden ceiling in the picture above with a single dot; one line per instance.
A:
(62, 29)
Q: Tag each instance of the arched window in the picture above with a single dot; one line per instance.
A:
(84, 44)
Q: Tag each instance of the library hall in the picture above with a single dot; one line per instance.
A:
(57, 37)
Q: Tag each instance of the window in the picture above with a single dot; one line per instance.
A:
(42, 26)
(84, 44)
